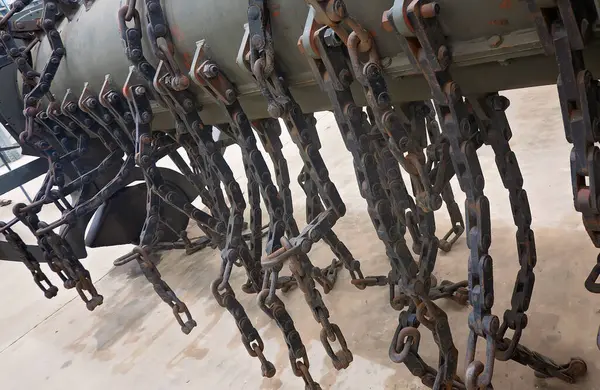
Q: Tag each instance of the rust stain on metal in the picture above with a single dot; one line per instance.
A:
(499, 22)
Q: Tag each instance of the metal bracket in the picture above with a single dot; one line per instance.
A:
(206, 74)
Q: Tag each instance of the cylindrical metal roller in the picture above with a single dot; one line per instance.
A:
(496, 49)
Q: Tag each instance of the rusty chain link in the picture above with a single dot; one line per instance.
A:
(468, 123)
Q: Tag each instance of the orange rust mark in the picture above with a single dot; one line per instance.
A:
(505, 4)
(176, 33)
(372, 33)
(276, 14)
(499, 22)
(187, 59)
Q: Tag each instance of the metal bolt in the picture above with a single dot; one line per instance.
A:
(345, 77)
(498, 103)
(430, 10)
(352, 111)
(188, 104)
(160, 30)
(210, 70)
(253, 13)
(331, 38)
(372, 70)
(230, 94)
(180, 82)
(91, 103)
(585, 28)
(71, 107)
(240, 118)
(112, 97)
(495, 41)
(383, 99)
(258, 42)
(145, 116)
(403, 143)
(465, 127)
(339, 8)
(443, 55)
(136, 54)
(275, 110)
(139, 90)
(386, 62)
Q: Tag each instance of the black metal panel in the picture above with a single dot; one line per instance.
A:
(21, 175)
(11, 105)
(7, 252)
(119, 221)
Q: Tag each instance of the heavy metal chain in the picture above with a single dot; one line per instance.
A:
(269, 132)
(355, 132)
(171, 86)
(495, 131)
(251, 339)
(145, 158)
(56, 250)
(302, 270)
(275, 308)
(40, 279)
(208, 75)
(413, 280)
(564, 30)
(132, 39)
(62, 255)
(302, 129)
(467, 125)
(405, 349)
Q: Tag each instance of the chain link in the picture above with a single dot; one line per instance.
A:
(467, 124)
(564, 31)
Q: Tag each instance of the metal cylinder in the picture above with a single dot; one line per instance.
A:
(94, 48)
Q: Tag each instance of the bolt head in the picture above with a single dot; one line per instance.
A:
(275, 110)
(494, 41)
(210, 70)
(331, 38)
(91, 103)
(253, 13)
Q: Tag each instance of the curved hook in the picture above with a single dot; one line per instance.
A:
(401, 342)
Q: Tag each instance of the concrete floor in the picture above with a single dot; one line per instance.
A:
(132, 341)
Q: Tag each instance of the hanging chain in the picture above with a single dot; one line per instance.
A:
(56, 249)
(302, 129)
(40, 279)
(565, 30)
(467, 125)
(145, 156)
